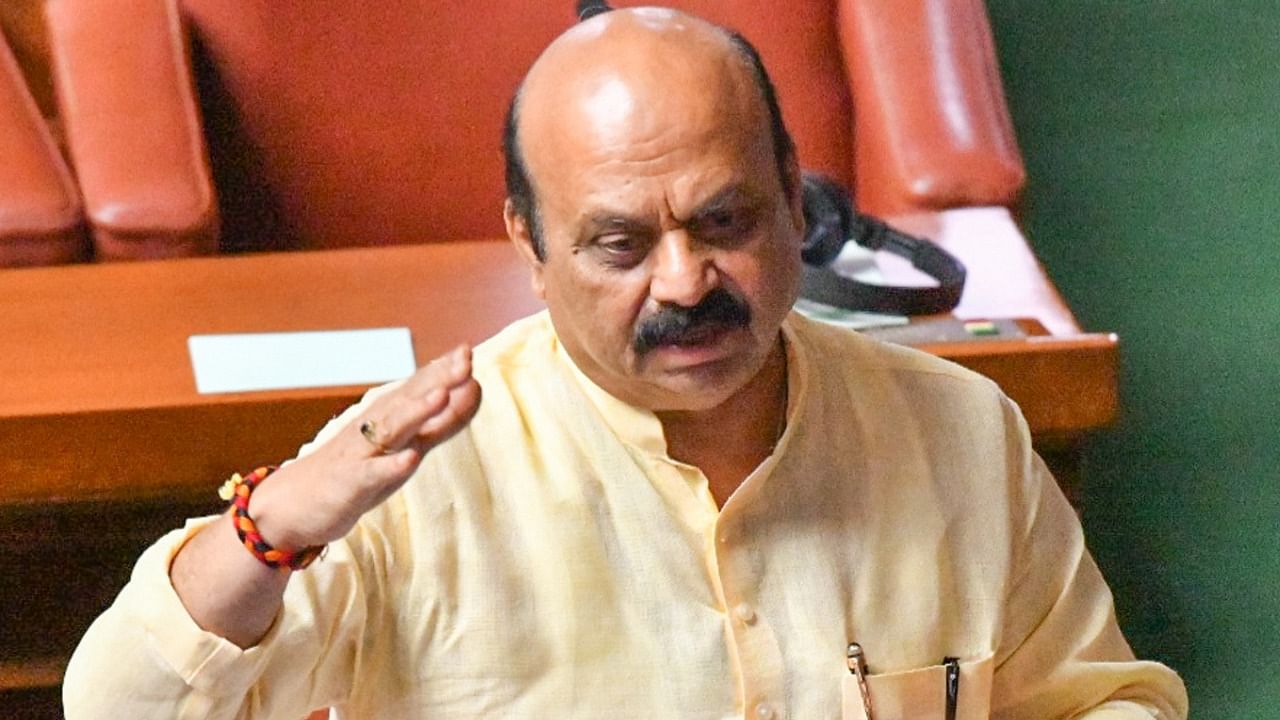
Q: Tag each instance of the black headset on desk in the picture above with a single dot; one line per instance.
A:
(831, 221)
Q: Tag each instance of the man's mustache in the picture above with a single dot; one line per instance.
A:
(677, 325)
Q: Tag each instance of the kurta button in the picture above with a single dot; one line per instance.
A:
(764, 711)
(745, 614)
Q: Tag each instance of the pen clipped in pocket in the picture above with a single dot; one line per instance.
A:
(920, 694)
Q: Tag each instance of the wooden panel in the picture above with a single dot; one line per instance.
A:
(1063, 385)
(39, 703)
(41, 671)
(148, 452)
(49, 601)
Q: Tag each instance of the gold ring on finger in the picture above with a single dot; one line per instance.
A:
(369, 429)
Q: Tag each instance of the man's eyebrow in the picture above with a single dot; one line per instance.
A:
(732, 197)
(612, 221)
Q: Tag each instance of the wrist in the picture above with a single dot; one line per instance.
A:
(261, 521)
(271, 511)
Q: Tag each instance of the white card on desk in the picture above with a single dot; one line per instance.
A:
(279, 361)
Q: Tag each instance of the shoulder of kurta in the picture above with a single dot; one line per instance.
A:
(516, 345)
(509, 368)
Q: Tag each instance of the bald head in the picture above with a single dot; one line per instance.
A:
(630, 77)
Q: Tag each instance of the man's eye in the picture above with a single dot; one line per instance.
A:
(620, 249)
(721, 219)
(617, 243)
(724, 225)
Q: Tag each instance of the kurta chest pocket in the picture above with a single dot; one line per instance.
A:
(921, 694)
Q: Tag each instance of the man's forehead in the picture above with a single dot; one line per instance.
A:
(631, 78)
(735, 193)
(637, 46)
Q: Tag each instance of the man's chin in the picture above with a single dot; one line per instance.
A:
(701, 376)
(692, 401)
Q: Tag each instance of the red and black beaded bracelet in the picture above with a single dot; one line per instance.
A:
(237, 489)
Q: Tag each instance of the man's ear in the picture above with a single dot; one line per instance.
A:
(521, 236)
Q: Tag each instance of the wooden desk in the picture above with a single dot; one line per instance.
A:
(104, 441)
(98, 399)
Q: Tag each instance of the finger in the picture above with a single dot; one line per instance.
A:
(395, 466)
(387, 426)
(397, 417)
(382, 475)
(462, 404)
(446, 371)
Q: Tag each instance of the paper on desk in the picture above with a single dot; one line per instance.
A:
(277, 361)
(859, 263)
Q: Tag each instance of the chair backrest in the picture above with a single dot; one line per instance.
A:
(334, 124)
(40, 212)
(370, 123)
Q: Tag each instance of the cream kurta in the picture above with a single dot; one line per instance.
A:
(551, 561)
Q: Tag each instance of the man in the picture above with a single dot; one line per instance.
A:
(676, 498)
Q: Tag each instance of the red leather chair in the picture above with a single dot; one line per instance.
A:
(40, 214)
(335, 124)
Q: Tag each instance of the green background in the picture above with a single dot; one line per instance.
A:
(1151, 132)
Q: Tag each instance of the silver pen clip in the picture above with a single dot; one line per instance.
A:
(858, 666)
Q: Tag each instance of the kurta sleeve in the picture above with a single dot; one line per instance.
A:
(145, 657)
(1062, 654)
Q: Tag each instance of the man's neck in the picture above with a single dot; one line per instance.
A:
(730, 441)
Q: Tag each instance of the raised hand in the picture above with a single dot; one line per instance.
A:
(319, 497)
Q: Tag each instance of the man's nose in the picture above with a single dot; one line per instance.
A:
(684, 271)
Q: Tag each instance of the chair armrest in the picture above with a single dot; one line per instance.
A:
(40, 213)
(124, 85)
(931, 128)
